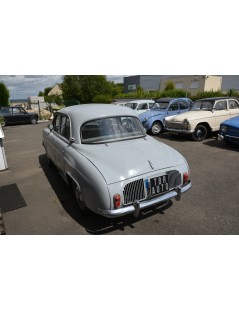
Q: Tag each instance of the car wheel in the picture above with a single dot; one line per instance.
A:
(78, 198)
(156, 128)
(33, 121)
(200, 133)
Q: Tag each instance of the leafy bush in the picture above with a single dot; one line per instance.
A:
(208, 94)
(102, 99)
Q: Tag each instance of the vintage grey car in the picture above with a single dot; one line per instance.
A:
(114, 168)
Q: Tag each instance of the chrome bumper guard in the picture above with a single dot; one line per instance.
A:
(137, 206)
(220, 137)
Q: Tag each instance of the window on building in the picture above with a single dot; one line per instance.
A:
(179, 85)
(194, 84)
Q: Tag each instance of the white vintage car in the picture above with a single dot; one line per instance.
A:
(141, 105)
(204, 118)
(114, 168)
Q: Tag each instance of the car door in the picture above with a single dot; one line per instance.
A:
(173, 109)
(233, 107)
(142, 107)
(61, 141)
(19, 115)
(6, 112)
(220, 112)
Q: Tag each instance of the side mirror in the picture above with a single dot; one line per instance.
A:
(50, 127)
(71, 140)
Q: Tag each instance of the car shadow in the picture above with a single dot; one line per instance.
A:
(222, 145)
(174, 137)
(93, 223)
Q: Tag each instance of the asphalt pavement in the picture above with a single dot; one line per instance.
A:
(210, 208)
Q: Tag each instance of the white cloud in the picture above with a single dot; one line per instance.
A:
(22, 86)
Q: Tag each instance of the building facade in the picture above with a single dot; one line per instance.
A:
(56, 90)
(189, 83)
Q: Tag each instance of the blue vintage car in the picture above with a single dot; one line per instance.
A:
(153, 120)
(229, 131)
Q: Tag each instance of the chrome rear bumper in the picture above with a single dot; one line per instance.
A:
(137, 206)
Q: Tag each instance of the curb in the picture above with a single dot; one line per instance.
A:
(2, 227)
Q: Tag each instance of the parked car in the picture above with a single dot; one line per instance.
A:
(204, 118)
(114, 168)
(153, 120)
(141, 105)
(229, 131)
(17, 115)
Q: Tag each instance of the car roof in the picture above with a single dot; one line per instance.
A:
(216, 98)
(84, 112)
(141, 101)
(168, 99)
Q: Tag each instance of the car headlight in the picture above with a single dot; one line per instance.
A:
(224, 128)
(185, 122)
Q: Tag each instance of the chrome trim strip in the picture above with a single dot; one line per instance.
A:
(179, 130)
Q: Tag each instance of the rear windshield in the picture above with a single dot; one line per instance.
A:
(111, 129)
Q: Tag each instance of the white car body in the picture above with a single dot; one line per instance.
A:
(130, 167)
(196, 121)
(141, 105)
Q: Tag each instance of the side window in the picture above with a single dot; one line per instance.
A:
(151, 104)
(22, 111)
(183, 105)
(221, 105)
(143, 106)
(233, 104)
(16, 111)
(65, 127)
(173, 107)
(57, 123)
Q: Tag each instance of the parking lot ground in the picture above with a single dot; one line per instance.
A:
(210, 208)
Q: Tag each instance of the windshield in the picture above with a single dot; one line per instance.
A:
(111, 129)
(202, 105)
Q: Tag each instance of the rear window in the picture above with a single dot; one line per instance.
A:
(111, 129)
(6, 110)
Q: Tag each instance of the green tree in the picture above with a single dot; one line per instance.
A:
(4, 95)
(85, 88)
(170, 86)
(47, 90)
(41, 93)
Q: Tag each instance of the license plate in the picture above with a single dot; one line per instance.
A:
(159, 185)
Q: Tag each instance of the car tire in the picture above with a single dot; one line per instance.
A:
(156, 128)
(33, 121)
(79, 200)
(200, 133)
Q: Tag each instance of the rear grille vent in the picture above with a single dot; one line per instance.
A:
(134, 191)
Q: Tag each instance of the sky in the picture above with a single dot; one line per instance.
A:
(23, 86)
